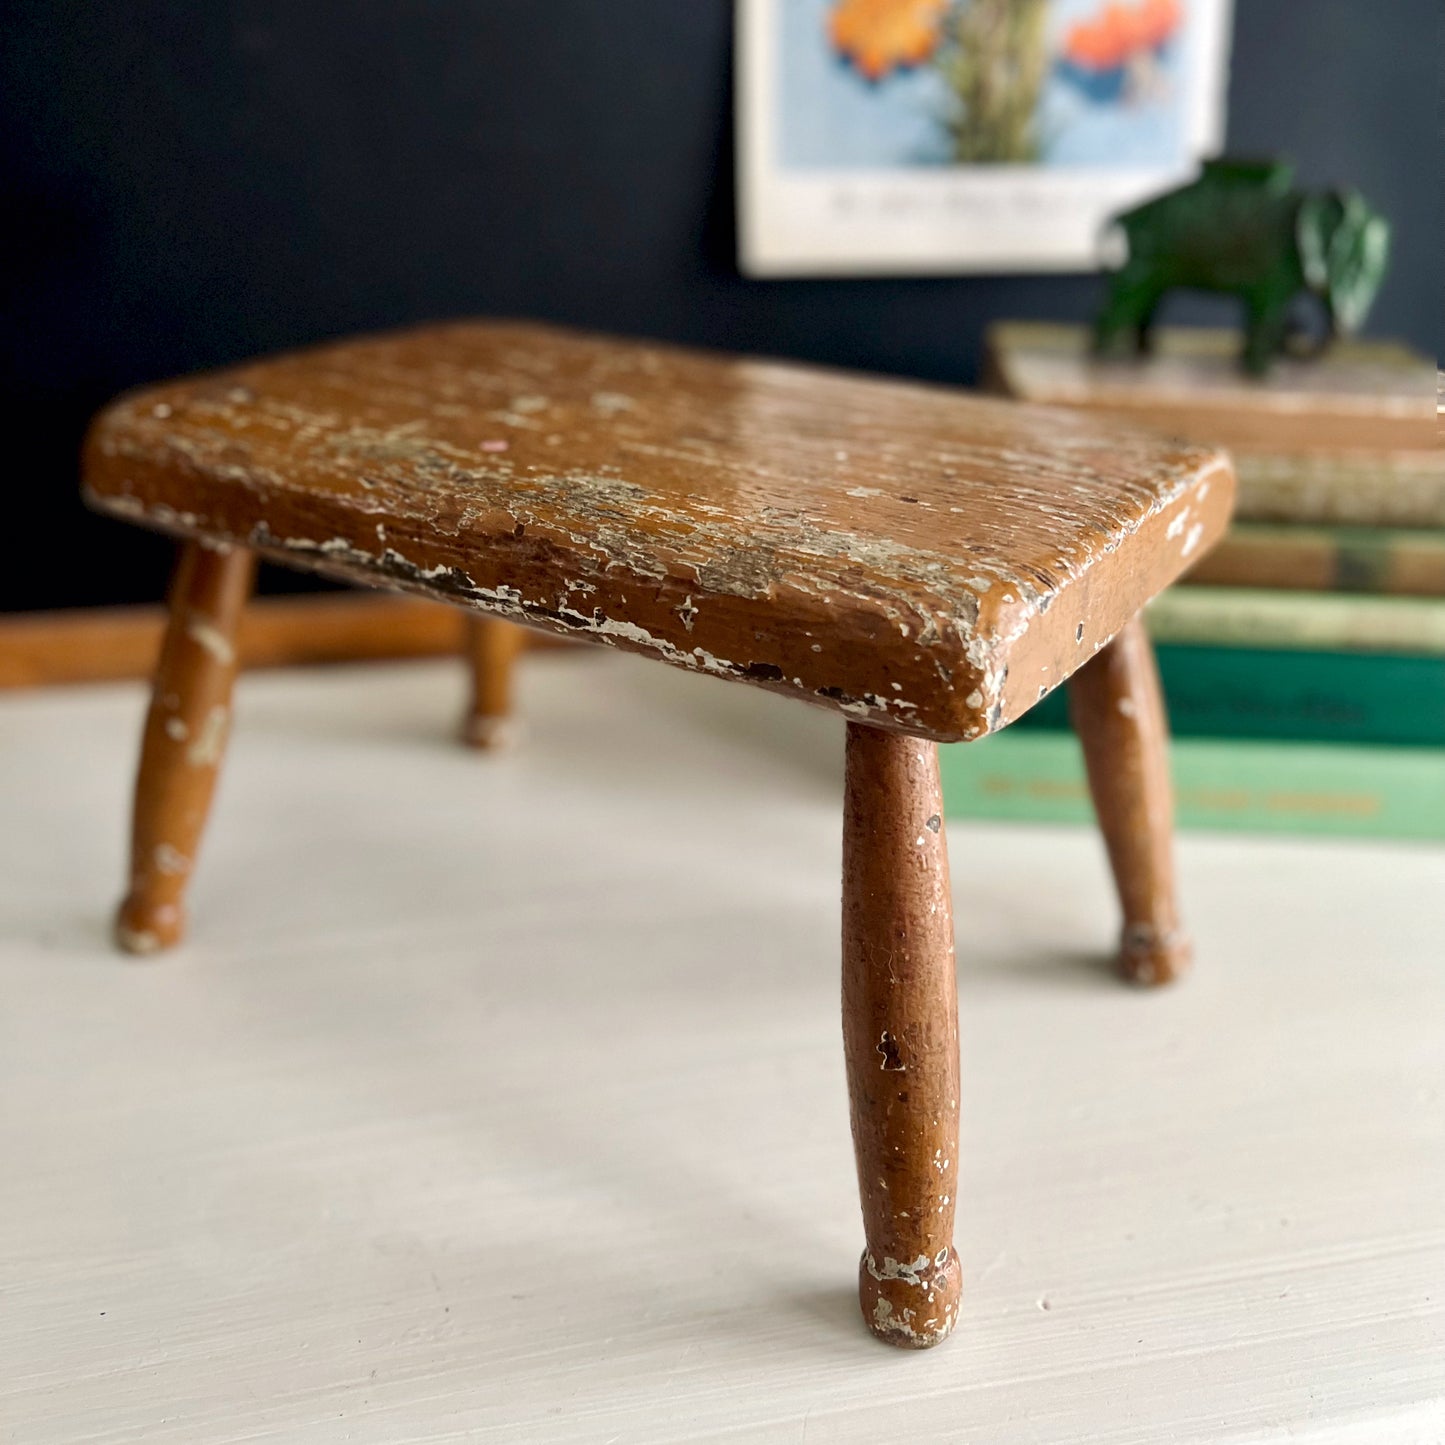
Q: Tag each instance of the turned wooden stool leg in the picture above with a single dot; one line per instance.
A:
(185, 739)
(493, 646)
(900, 1033)
(1118, 713)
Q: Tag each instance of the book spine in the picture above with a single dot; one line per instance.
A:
(1265, 787)
(1315, 621)
(1308, 696)
(1401, 489)
(1326, 559)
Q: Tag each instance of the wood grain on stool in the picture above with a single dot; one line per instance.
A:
(907, 555)
(900, 1033)
(492, 647)
(1118, 712)
(184, 741)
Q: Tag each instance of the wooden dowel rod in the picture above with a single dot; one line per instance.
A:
(112, 644)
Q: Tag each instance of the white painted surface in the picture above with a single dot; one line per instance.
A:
(501, 1099)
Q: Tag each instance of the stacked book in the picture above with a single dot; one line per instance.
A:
(1303, 659)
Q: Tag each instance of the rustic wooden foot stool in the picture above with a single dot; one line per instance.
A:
(926, 563)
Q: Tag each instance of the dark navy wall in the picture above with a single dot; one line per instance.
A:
(183, 184)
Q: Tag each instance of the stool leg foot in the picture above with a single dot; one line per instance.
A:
(492, 647)
(1118, 713)
(184, 741)
(900, 1034)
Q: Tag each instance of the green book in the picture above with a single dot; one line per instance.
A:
(1253, 692)
(1259, 663)
(1037, 776)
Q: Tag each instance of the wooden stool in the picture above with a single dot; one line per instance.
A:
(925, 563)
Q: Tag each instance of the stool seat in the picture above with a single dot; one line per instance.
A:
(913, 557)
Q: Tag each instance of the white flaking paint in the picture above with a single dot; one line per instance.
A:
(209, 636)
(909, 1272)
(137, 940)
(171, 860)
(210, 743)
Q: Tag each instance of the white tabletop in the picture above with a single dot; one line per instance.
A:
(501, 1099)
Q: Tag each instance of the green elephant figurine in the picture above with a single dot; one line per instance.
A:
(1242, 228)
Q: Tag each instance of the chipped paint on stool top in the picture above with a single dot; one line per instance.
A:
(905, 554)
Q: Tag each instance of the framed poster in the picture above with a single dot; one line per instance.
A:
(936, 136)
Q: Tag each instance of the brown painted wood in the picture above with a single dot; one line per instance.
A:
(1117, 708)
(113, 644)
(109, 644)
(926, 563)
(911, 556)
(900, 1033)
(493, 646)
(184, 742)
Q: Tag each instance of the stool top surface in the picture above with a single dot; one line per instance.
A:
(910, 555)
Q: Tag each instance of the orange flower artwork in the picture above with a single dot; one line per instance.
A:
(1120, 32)
(879, 36)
